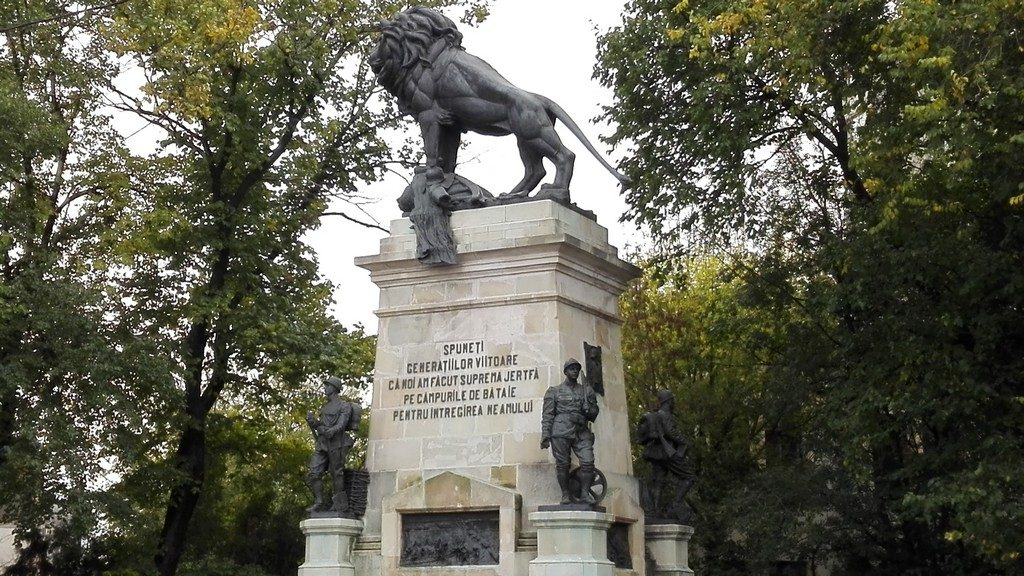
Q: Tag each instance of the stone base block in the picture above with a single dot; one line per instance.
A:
(329, 546)
(571, 543)
(669, 548)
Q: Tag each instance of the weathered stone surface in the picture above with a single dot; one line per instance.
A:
(8, 545)
(572, 543)
(329, 546)
(451, 492)
(533, 282)
(669, 548)
(537, 303)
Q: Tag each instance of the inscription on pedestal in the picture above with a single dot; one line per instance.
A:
(450, 539)
(462, 381)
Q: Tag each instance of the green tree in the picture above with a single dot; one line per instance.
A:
(721, 346)
(254, 492)
(143, 296)
(867, 152)
(69, 375)
(269, 111)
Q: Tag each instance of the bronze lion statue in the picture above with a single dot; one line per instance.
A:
(420, 60)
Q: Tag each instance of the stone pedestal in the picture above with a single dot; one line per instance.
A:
(465, 354)
(669, 548)
(329, 546)
(571, 543)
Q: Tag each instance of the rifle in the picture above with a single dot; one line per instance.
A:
(587, 391)
(667, 446)
(312, 421)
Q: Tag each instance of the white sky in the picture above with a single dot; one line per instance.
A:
(548, 47)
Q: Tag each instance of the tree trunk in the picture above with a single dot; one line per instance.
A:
(191, 465)
(7, 424)
(190, 458)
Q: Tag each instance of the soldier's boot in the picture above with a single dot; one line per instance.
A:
(656, 497)
(317, 486)
(563, 483)
(339, 497)
(586, 481)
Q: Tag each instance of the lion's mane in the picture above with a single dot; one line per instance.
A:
(408, 44)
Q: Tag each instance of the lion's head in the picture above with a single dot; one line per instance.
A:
(408, 40)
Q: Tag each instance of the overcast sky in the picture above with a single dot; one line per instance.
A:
(548, 47)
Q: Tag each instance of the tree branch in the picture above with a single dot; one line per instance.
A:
(355, 220)
(69, 14)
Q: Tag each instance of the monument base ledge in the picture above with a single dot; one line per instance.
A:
(329, 546)
(572, 543)
(668, 545)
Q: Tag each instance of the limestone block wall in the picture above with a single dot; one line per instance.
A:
(466, 352)
(8, 546)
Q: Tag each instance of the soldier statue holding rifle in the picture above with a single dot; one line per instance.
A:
(333, 442)
(568, 410)
(665, 449)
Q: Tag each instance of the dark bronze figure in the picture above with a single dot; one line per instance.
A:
(665, 449)
(429, 208)
(420, 60)
(333, 441)
(568, 410)
(595, 369)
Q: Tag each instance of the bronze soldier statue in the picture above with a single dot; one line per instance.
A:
(568, 410)
(332, 445)
(665, 449)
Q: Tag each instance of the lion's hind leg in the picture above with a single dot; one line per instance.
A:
(533, 165)
(532, 123)
(563, 159)
(547, 144)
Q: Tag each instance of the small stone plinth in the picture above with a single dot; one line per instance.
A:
(329, 546)
(669, 548)
(572, 543)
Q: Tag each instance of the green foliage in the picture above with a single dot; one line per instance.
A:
(863, 157)
(154, 309)
(253, 499)
(219, 567)
(60, 552)
(719, 350)
(70, 378)
(269, 111)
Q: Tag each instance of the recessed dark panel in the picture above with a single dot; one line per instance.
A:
(618, 546)
(450, 539)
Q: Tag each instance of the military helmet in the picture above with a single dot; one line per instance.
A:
(664, 396)
(571, 362)
(335, 382)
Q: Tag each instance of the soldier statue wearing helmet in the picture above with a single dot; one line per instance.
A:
(568, 410)
(333, 442)
(665, 449)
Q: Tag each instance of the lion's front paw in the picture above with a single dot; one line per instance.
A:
(520, 194)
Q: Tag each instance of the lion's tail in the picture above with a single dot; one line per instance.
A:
(555, 110)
